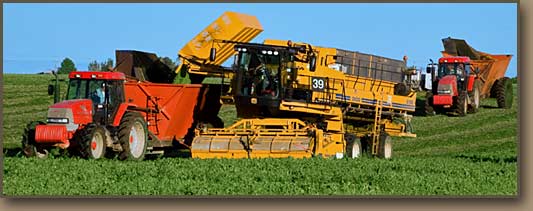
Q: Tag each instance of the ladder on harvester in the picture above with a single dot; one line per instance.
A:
(376, 130)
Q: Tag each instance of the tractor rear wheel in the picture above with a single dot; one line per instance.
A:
(428, 106)
(475, 97)
(461, 105)
(354, 148)
(93, 142)
(133, 137)
(385, 146)
(503, 91)
(29, 147)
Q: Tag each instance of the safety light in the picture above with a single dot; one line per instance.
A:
(269, 52)
(275, 53)
(93, 76)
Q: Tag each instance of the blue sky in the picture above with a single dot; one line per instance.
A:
(38, 36)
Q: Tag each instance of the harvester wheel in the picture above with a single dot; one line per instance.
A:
(475, 97)
(428, 106)
(503, 90)
(461, 105)
(133, 137)
(93, 143)
(385, 146)
(354, 148)
(29, 147)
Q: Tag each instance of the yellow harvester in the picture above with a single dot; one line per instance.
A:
(298, 100)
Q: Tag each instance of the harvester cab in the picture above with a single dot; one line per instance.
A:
(455, 85)
(263, 77)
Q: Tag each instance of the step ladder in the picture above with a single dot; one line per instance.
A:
(377, 127)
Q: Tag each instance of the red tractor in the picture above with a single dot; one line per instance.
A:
(455, 86)
(104, 114)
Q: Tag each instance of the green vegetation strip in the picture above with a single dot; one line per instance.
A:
(406, 176)
(474, 155)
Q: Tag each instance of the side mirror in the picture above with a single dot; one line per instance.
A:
(212, 54)
(51, 89)
(312, 63)
(430, 69)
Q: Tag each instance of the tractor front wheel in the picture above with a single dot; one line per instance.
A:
(461, 106)
(428, 106)
(93, 143)
(133, 137)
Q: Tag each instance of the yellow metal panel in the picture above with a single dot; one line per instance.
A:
(230, 26)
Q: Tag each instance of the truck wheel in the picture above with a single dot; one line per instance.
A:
(428, 106)
(353, 146)
(29, 147)
(133, 137)
(503, 90)
(93, 143)
(475, 97)
(385, 146)
(461, 105)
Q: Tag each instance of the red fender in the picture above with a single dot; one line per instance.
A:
(122, 108)
(470, 85)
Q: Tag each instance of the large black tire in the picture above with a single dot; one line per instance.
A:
(461, 104)
(92, 142)
(401, 89)
(385, 146)
(475, 97)
(133, 137)
(354, 147)
(428, 105)
(29, 147)
(503, 91)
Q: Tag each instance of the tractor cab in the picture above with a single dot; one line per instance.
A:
(454, 67)
(104, 89)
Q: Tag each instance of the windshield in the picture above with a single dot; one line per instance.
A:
(260, 74)
(87, 89)
(452, 69)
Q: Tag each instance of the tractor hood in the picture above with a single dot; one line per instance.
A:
(448, 85)
(78, 111)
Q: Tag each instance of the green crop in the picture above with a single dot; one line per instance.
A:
(474, 155)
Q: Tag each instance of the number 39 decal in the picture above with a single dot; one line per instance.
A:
(318, 84)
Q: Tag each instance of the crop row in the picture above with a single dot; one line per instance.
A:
(406, 176)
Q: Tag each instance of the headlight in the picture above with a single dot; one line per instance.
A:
(57, 120)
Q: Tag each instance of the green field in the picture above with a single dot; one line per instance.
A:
(458, 156)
